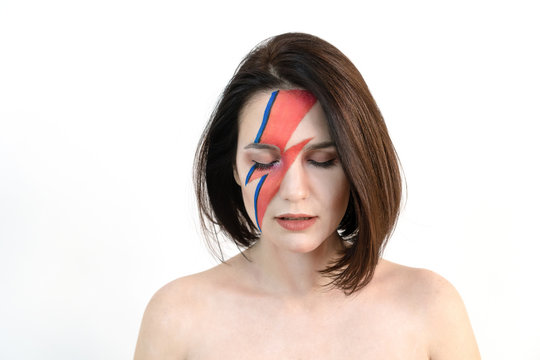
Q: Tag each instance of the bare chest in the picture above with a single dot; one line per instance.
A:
(274, 331)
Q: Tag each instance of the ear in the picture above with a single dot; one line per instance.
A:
(236, 177)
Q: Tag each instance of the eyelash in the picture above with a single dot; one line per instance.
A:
(324, 165)
(262, 166)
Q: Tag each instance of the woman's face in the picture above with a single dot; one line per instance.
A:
(293, 185)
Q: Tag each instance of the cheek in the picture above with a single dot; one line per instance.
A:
(334, 190)
(248, 195)
(247, 192)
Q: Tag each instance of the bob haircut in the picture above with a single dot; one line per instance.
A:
(368, 157)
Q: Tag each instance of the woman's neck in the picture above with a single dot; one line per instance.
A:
(287, 273)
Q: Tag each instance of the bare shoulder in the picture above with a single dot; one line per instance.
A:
(421, 286)
(171, 316)
(437, 304)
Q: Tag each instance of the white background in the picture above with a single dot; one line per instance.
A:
(102, 104)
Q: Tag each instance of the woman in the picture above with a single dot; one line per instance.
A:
(297, 168)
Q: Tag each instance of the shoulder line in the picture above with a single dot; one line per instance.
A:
(168, 321)
(436, 301)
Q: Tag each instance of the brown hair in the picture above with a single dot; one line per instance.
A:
(356, 126)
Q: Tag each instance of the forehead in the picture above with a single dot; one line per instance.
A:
(312, 124)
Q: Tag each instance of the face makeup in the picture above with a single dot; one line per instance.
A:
(293, 185)
(284, 111)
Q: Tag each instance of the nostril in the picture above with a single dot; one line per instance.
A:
(294, 190)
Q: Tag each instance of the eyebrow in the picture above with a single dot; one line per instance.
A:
(317, 146)
(321, 145)
(260, 146)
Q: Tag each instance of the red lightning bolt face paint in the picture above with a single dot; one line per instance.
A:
(284, 111)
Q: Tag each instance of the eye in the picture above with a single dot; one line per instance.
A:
(265, 166)
(324, 164)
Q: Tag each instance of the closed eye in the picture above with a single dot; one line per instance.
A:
(265, 166)
(324, 164)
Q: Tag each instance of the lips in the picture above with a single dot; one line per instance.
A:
(295, 222)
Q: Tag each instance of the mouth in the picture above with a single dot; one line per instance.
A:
(295, 222)
(295, 216)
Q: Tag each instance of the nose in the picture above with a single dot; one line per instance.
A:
(295, 184)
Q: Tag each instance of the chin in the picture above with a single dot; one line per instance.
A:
(300, 243)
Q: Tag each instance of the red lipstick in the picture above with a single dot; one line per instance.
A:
(295, 222)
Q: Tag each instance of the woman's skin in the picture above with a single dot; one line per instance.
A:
(275, 306)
